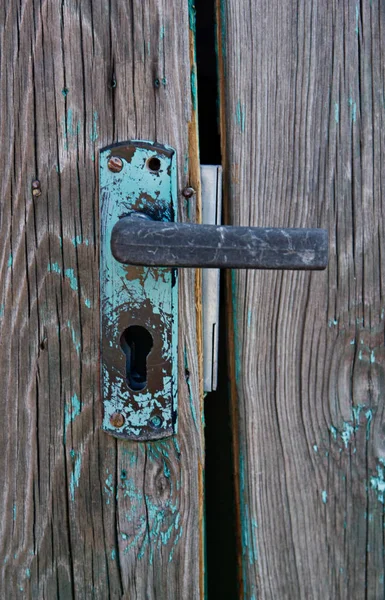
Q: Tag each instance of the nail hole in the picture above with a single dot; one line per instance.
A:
(154, 164)
(136, 343)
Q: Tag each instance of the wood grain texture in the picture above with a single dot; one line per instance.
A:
(303, 132)
(85, 515)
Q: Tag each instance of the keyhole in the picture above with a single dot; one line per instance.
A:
(136, 343)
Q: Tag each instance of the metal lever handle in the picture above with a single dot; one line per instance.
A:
(138, 240)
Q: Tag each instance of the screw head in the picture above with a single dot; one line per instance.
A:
(188, 192)
(36, 191)
(115, 164)
(156, 421)
(117, 420)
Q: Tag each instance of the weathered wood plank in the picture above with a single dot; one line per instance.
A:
(85, 515)
(302, 119)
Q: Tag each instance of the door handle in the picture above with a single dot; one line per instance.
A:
(138, 240)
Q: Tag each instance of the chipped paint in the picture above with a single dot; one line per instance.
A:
(14, 511)
(249, 526)
(353, 107)
(348, 429)
(76, 342)
(10, 261)
(94, 129)
(70, 275)
(75, 474)
(72, 410)
(240, 115)
(324, 496)
(138, 295)
(336, 112)
(377, 483)
(76, 241)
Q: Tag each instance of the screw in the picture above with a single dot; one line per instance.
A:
(156, 421)
(117, 420)
(188, 192)
(36, 191)
(115, 164)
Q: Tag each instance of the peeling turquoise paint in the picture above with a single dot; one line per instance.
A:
(336, 112)
(194, 88)
(28, 574)
(332, 322)
(72, 410)
(65, 92)
(76, 241)
(192, 16)
(87, 302)
(223, 23)
(76, 342)
(324, 496)
(357, 29)
(10, 261)
(75, 475)
(54, 268)
(240, 116)
(249, 527)
(69, 129)
(348, 429)
(315, 448)
(353, 106)
(130, 288)
(70, 274)
(14, 511)
(113, 554)
(378, 483)
(160, 527)
(2, 308)
(162, 32)
(94, 130)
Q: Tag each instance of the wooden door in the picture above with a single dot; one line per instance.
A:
(303, 139)
(85, 515)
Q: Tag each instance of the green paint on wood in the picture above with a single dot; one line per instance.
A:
(377, 483)
(353, 109)
(94, 129)
(194, 88)
(324, 496)
(70, 275)
(72, 410)
(336, 112)
(240, 115)
(75, 475)
(10, 261)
